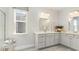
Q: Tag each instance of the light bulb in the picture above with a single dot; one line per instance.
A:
(76, 12)
(71, 14)
(44, 15)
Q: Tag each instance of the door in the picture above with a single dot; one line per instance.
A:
(2, 17)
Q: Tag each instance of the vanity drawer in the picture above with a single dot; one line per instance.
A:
(41, 45)
(70, 36)
(41, 40)
(76, 36)
(41, 35)
(48, 44)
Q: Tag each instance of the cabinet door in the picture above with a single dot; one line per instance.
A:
(41, 38)
(63, 39)
(41, 41)
(75, 42)
(68, 40)
(56, 38)
(48, 38)
(41, 45)
(52, 42)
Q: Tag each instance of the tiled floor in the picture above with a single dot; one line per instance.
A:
(57, 48)
(54, 48)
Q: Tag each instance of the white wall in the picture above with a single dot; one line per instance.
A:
(34, 18)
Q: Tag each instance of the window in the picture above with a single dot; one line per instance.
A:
(20, 17)
(20, 27)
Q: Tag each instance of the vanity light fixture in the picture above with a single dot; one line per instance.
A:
(73, 14)
(44, 15)
(70, 19)
(47, 21)
(76, 12)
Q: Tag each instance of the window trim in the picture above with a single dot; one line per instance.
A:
(20, 21)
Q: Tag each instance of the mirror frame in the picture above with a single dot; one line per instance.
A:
(72, 14)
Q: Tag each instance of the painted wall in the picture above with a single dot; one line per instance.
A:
(35, 16)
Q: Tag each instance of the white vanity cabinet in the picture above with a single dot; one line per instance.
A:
(75, 42)
(69, 40)
(56, 38)
(46, 40)
(40, 41)
(49, 39)
(63, 39)
(66, 39)
(52, 39)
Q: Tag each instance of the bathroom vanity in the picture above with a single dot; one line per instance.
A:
(46, 39)
(70, 40)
